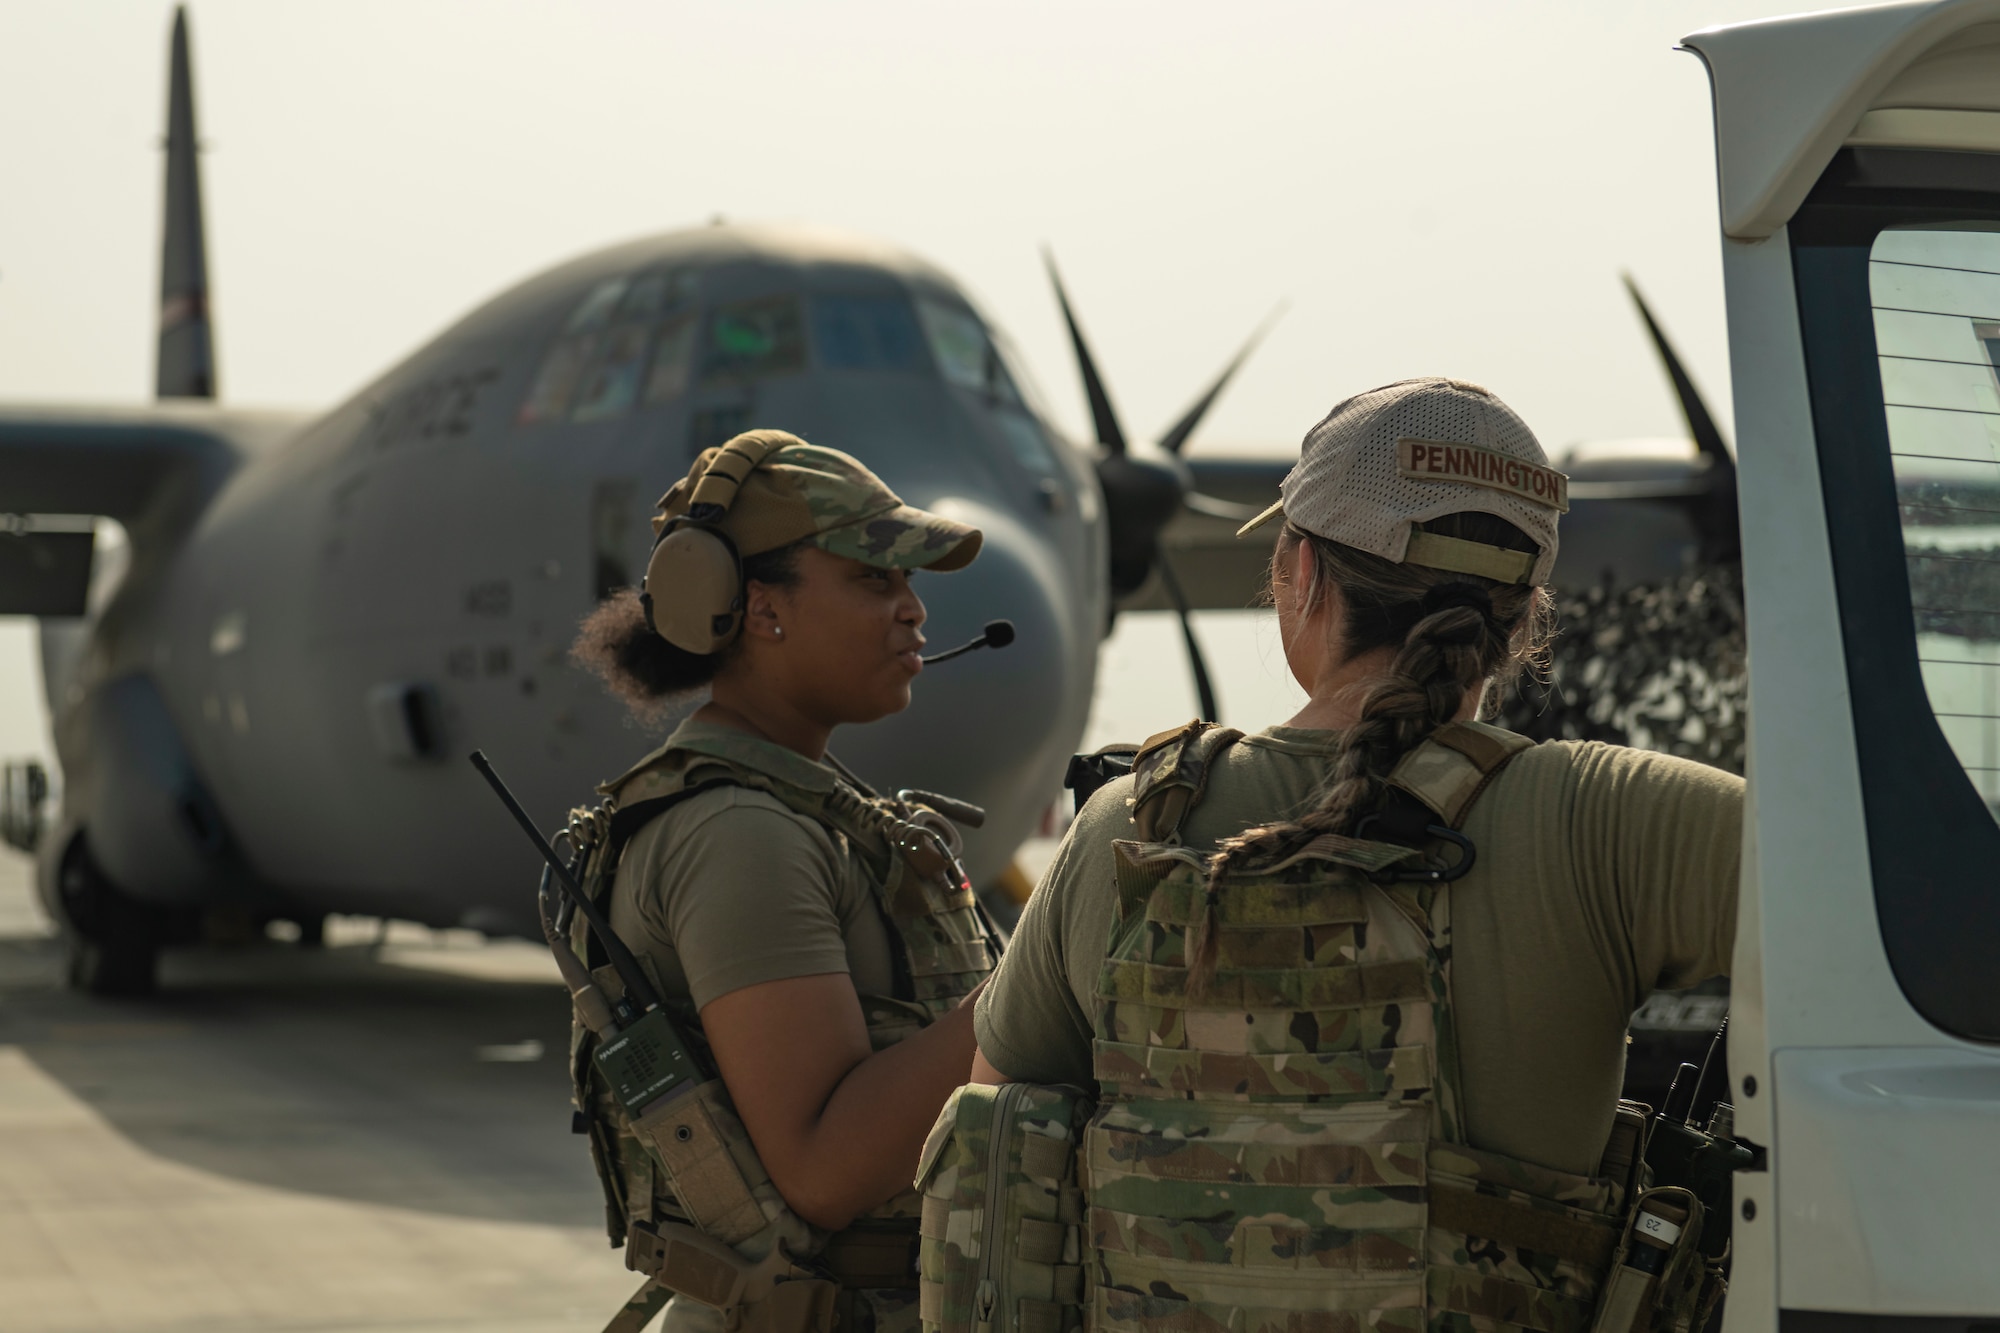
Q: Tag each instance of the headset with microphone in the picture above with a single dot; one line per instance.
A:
(695, 559)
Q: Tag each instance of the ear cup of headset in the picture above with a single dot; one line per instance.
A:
(693, 586)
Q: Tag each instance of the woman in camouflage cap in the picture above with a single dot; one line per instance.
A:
(810, 937)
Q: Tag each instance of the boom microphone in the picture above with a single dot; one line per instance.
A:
(997, 634)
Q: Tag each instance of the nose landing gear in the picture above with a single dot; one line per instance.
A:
(114, 939)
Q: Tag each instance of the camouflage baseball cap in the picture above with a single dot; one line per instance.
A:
(804, 492)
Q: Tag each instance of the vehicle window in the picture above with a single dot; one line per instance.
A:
(867, 333)
(964, 353)
(1936, 299)
(753, 340)
(1896, 267)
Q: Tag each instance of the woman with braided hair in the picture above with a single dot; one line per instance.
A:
(1505, 907)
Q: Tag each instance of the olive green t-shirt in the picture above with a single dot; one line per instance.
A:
(1603, 874)
(731, 887)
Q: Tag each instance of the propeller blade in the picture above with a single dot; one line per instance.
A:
(1102, 414)
(1214, 508)
(1707, 437)
(1177, 434)
(1204, 691)
(1715, 514)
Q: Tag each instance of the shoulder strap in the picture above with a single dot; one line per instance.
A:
(1453, 766)
(1089, 772)
(623, 826)
(1171, 773)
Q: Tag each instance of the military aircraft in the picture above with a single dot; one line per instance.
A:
(262, 702)
(267, 714)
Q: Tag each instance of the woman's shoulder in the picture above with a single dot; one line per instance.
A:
(1569, 778)
(1598, 761)
(1107, 815)
(728, 813)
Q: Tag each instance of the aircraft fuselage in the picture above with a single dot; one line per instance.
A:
(399, 582)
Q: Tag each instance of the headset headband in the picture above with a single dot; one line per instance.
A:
(696, 558)
(725, 475)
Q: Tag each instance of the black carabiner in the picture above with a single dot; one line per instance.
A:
(1428, 875)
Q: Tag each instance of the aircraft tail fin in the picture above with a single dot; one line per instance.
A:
(186, 364)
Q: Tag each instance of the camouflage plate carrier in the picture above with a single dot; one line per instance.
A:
(1283, 1152)
(687, 1161)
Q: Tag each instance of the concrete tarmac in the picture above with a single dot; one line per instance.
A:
(361, 1137)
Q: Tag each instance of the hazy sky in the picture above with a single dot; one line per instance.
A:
(1435, 187)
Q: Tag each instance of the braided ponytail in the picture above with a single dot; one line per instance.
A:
(1451, 632)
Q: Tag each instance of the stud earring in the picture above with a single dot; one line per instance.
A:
(778, 631)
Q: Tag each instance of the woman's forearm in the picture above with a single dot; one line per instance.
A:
(862, 1147)
(838, 1126)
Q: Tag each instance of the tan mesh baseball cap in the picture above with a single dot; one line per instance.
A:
(1408, 452)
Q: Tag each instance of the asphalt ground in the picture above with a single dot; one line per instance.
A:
(368, 1136)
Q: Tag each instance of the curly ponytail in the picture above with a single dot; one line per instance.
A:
(616, 643)
(1451, 632)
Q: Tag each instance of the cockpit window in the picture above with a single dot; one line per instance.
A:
(594, 312)
(868, 333)
(673, 355)
(555, 383)
(612, 383)
(659, 293)
(750, 340)
(971, 359)
(625, 335)
(964, 353)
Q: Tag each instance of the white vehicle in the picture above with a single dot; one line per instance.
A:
(1859, 161)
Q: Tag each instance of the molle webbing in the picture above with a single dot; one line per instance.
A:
(1544, 1231)
(1170, 773)
(1281, 1150)
(655, 1177)
(935, 926)
(1450, 770)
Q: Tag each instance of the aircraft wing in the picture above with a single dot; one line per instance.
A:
(1217, 571)
(152, 468)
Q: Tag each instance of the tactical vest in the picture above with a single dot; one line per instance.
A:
(1282, 1152)
(697, 1166)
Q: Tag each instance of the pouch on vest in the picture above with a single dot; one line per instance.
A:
(1002, 1248)
(1655, 1284)
(709, 1161)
